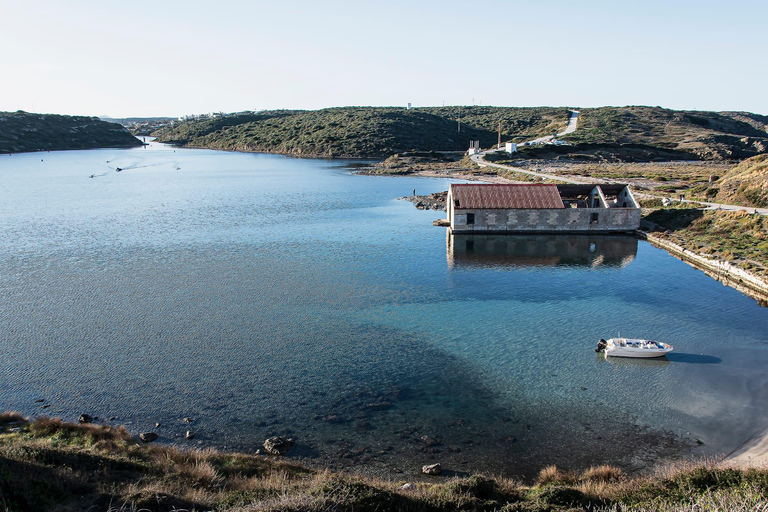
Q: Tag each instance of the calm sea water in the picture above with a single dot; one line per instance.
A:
(262, 295)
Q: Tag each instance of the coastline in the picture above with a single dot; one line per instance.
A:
(747, 283)
(754, 453)
(730, 275)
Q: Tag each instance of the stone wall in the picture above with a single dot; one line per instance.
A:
(723, 271)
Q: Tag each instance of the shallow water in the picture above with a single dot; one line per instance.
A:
(264, 295)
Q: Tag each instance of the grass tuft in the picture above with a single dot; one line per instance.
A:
(12, 418)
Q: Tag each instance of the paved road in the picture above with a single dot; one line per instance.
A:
(478, 159)
(570, 128)
(573, 123)
(731, 207)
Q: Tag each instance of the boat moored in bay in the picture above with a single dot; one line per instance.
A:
(633, 347)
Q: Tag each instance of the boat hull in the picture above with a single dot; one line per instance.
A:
(641, 349)
(639, 353)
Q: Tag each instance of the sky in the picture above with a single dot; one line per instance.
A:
(171, 58)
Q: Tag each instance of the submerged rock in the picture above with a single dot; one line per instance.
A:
(432, 469)
(148, 437)
(278, 445)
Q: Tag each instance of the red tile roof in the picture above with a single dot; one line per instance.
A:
(472, 196)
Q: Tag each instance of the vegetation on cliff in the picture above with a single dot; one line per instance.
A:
(738, 237)
(53, 465)
(621, 134)
(22, 132)
(746, 184)
(703, 135)
(364, 131)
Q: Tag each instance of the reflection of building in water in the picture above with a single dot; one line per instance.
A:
(484, 208)
(539, 250)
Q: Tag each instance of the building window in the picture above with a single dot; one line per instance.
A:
(470, 218)
(594, 219)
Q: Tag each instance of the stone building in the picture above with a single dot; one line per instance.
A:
(539, 208)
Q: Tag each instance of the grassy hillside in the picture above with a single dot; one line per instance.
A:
(364, 132)
(635, 134)
(738, 237)
(53, 465)
(22, 132)
(746, 184)
(704, 135)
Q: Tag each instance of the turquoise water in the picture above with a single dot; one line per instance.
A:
(262, 295)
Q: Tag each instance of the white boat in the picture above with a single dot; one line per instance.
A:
(632, 347)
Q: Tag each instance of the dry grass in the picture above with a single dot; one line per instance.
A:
(551, 475)
(602, 474)
(105, 436)
(12, 417)
(52, 464)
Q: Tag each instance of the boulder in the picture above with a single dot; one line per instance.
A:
(278, 445)
(189, 434)
(148, 437)
(432, 469)
(85, 418)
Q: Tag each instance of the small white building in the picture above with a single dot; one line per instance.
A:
(510, 147)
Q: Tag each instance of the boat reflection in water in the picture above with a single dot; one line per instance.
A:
(628, 362)
(540, 250)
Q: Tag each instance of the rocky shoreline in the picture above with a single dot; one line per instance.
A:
(435, 201)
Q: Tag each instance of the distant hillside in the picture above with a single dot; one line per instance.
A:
(746, 184)
(128, 121)
(704, 135)
(364, 131)
(607, 133)
(21, 132)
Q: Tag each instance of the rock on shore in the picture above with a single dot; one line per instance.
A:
(434, 201)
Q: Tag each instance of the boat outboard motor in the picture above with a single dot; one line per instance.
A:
(601, 345)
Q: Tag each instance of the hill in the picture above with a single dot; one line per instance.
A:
(746, 184)
(364, 131)
(701, 135)
(127, 121)
(639, 134)
(22, 132)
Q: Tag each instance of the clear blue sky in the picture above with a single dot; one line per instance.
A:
(122, 58)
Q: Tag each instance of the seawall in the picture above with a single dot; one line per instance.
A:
(723, 271)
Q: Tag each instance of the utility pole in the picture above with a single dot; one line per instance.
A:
(499, 145)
